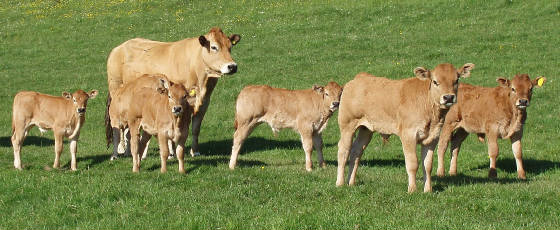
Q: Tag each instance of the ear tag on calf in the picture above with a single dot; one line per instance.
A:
(233, 42)
(540, 82)
(192, 93)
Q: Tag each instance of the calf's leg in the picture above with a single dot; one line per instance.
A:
(458, 138)
(73, 151)
(17, 140)
(427, 159)
(144, 144)
(242, 132)
(134, 139)
(356, 152)
(163, 151)
(307, 144)
(318, 145)
(58, 139)
(444, 138)
(410, 160)
(493, 153)
(518, 154)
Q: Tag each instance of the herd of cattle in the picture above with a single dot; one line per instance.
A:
(157, 88)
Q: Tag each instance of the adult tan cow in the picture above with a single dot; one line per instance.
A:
(412, 108)
(64, 115)
(164, 112)
(197, 61)
(306, 111)
(493, 113)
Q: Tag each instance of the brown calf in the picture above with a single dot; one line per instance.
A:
(412, 108)
(64, 115)
(306, 111)
(498, 112)
(164, 112)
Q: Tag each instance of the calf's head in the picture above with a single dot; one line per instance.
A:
(79, 100)
(444, 82)
(331, 94)
(521, 87)
(216, 52)
(180, 99)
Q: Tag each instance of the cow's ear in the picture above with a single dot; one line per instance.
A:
(539, 81)
(191, 98)
(67, 95)
(422, 73)
(92, 94)
(234, 38)
(502, 81)
(163, 83)
(204, 42)
(318, 88)
(465, 71)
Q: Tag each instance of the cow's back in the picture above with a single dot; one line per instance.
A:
(41, 108)
(372, 101)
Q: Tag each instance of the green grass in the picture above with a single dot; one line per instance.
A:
(56, 46)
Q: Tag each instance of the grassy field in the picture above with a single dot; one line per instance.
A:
(55, 46)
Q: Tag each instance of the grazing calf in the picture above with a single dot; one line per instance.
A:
(412, 108)
(164, 112)
(493, 113)
(306, 111)
(64, 115)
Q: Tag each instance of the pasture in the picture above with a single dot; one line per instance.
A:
(55, 46)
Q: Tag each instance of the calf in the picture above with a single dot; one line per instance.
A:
(64, 115)
(164, 112)
(306, 111)
(493, 113)
(412, 108)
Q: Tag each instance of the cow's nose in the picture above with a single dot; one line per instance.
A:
(336, 103)
(177, 109)
(81, 110)
(232, 68)
(449, 98)
(523, 102)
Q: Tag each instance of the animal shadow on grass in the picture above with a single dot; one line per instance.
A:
(192, 165)
(92, 159)
(531, 166)
(29, 140)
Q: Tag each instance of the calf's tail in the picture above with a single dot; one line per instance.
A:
(108, 128)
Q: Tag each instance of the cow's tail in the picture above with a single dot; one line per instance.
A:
(108, 128)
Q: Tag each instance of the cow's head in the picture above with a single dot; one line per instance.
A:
(216, 52)
(444, 82)
(521, 87)
(179, 98)
(331, 94)
(79, 100)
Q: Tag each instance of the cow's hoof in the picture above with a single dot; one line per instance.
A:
(194, 154)
(171, 156)
(492, 174)
(114, 157)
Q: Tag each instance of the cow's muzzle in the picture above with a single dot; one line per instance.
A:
(522, 103)
(81, 111)
(334, 106)
(448, 100)
(177, 110)
(229, 68)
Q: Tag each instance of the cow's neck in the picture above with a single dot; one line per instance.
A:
(437, 117)
(518, 117)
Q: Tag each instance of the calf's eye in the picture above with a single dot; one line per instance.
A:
(513, 90)
(435, 83)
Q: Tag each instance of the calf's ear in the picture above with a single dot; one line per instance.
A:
(539, 81)
(92, 94)
(422, 73)
(67, 95)
(465, 71)
(318, 88)
(502, 81)
(234, 38)
(204, 42)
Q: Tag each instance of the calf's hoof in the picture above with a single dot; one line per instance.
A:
(114, 157)
(492, 173)
(323, 165)
(521, 176)
(194, 154)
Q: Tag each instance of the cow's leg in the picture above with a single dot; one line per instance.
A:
(493, 152)
(318, 145)
(307, 144)
(116, 143)
(163, 151)
(241, 133)
(144, 144)
(58, 140)
(181, 156)
(343, 152)
(123, 138)
(458, 138)
(197, 119)
(518, 154)
(17, 141)
(427, 160)
(358, 147)
(73, 151)
(171, 147)
(410, 160)
(133, 142)
(444, 138)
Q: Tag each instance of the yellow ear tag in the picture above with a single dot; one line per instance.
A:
(233, 42)
(192, 93)
(540, 82)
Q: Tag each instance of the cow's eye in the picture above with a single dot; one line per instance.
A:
(513, 90)
(327, 94)
(215, 48)
(435, 83)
